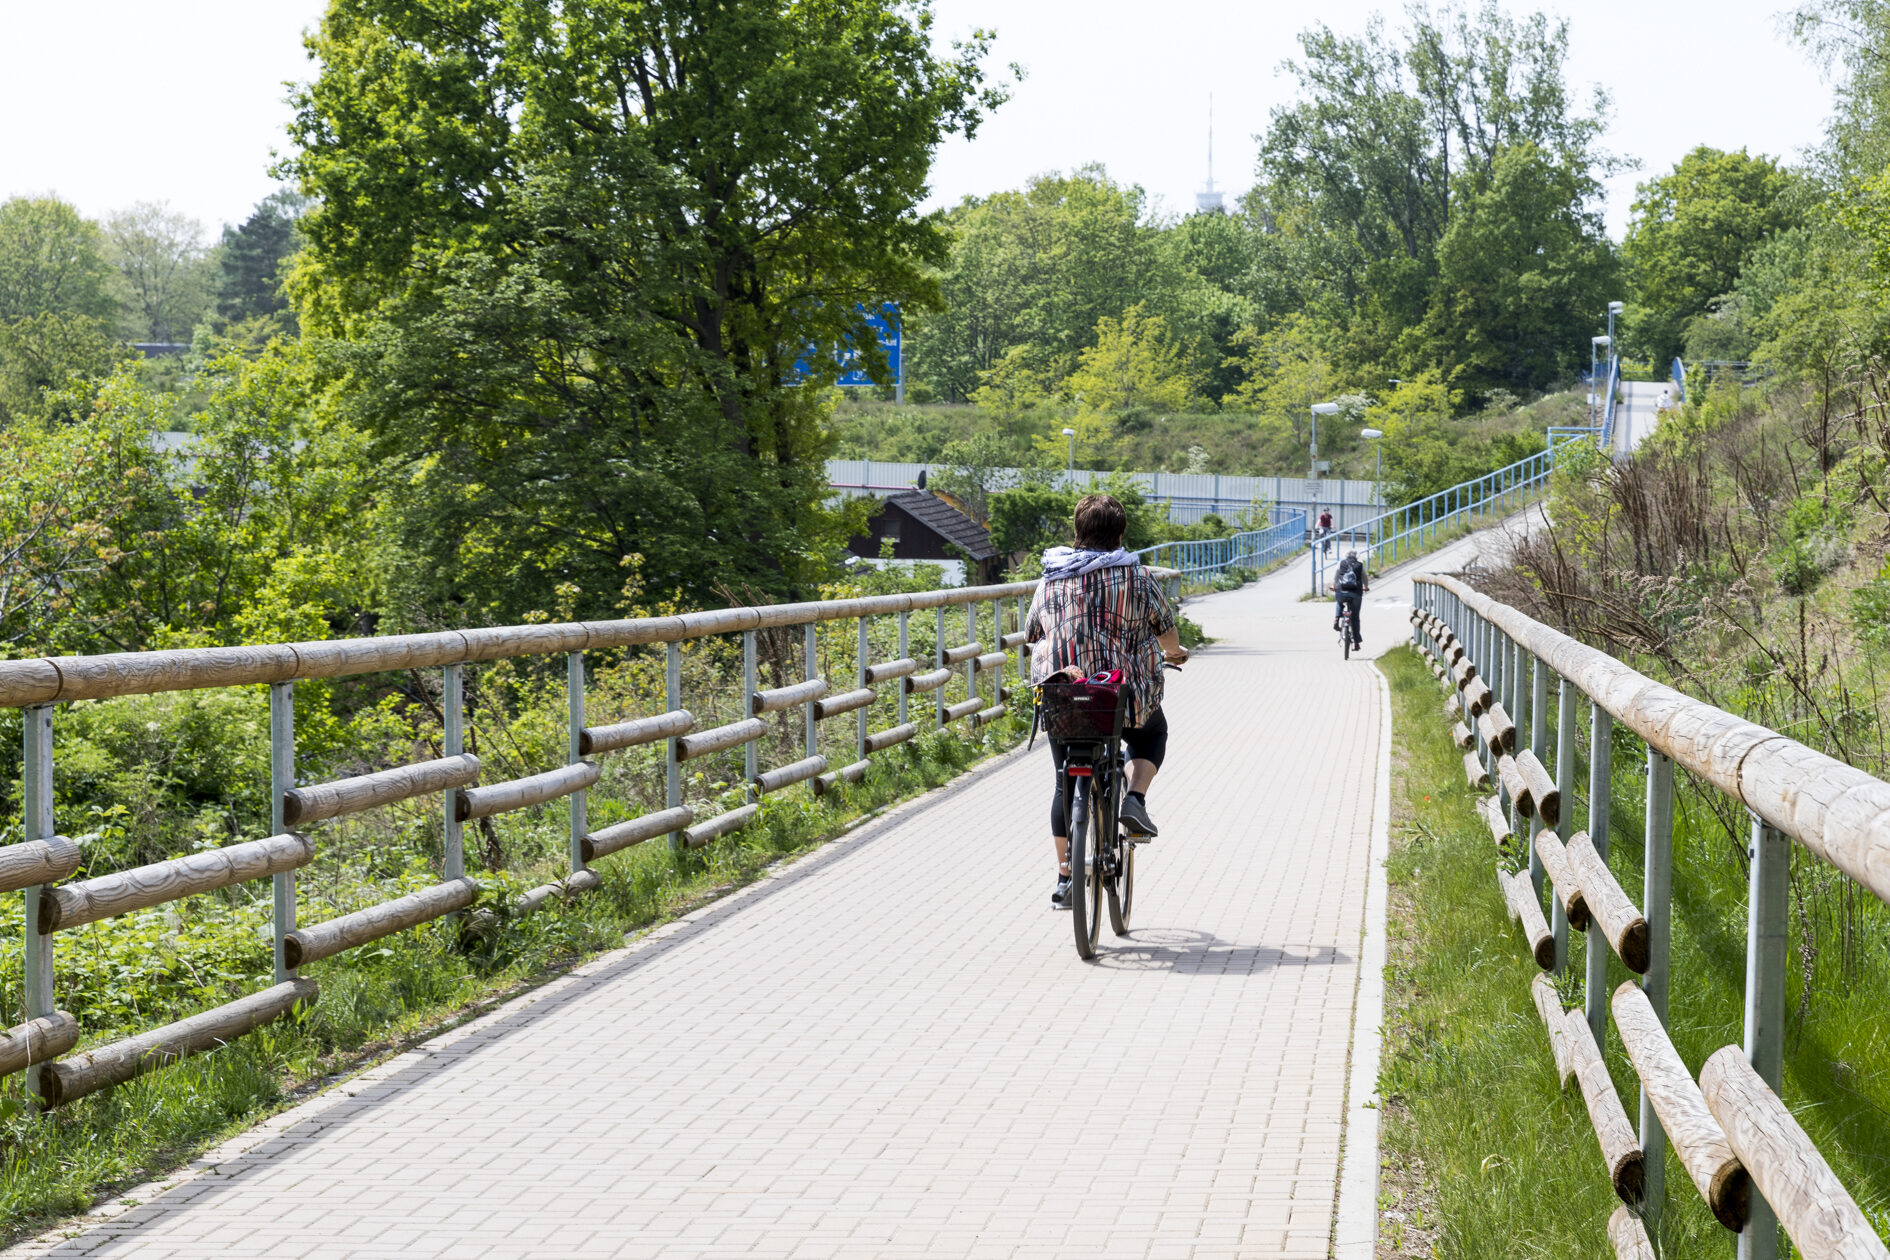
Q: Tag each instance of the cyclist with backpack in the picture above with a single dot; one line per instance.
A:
(1348, 589)
(1097, 609)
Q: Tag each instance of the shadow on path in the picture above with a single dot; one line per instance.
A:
(1190, 952)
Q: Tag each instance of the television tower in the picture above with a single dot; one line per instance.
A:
(1208, 200)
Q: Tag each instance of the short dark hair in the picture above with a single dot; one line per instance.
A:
(1100, 522)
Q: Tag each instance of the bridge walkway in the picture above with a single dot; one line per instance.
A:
(889, 1047)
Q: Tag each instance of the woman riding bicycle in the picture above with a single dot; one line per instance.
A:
(1098, 609)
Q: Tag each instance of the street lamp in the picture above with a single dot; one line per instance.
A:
(1377, 435)
(1614, 308)
(1319, 409)
(1594, 352)
(1071, 480)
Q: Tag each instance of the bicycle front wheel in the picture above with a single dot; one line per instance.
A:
(1086, 886)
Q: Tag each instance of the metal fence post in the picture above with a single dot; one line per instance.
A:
(813, 671)
(1600, 786)
(905, 646)
(971, 666)
(860, 652)
(452, 744)
(1539, 744)
(672, 768)
(580, 801)
(1770, 880)
(37, 789)
(938, 694)
(281, 781)
(751, 751)
(1658, 903)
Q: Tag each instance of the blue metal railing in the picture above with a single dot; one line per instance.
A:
(1614, 387)
(1418, 526)
(1252, 549)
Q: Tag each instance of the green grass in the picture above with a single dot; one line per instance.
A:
(377, 999)
(1509, 1163)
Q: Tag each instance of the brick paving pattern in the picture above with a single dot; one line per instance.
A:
(890, 1047)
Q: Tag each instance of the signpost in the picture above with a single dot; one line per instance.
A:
(885, 324)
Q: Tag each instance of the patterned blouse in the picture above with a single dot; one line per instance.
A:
(1107, 619)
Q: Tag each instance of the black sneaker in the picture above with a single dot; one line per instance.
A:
(1063, 896)
(1135, 818)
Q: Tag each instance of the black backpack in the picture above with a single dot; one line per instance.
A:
(1351, 575)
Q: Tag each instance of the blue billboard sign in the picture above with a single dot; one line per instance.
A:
(885, 325)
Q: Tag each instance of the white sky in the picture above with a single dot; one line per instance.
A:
(106, 102)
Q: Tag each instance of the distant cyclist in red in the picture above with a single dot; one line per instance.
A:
(1098, 609)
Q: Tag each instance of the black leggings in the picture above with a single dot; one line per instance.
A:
(1147, 742)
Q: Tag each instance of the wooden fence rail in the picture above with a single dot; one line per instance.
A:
(39, 863)
(1750, 1162)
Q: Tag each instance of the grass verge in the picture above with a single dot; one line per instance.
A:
(383, 998)
(1485, 1154)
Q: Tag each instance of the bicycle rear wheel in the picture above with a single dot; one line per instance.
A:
(1125, 880)
(1117, 854)
(1345, 637)
(1086, 885)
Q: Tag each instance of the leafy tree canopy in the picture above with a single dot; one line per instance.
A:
(1693, 231)
(52, 262)
(575, 253)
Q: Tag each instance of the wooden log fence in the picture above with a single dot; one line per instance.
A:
(370, 791)
(41, 865)
(1568, 890)
(621, 735)
(1749, 1160)
(73, 905)
(533, 789)
(120, 1061)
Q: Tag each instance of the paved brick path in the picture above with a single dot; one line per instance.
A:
(890, 1047)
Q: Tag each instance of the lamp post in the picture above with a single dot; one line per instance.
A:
(1614, 308)
(1318, 409)
(1377, 436)
(1070, 481)
(1594, 356)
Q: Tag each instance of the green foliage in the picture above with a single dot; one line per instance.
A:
(575, 346)
(1474, 1110)
(1693, 231)
(251, 257)
(1031, 518)
(1521, 271)
(56, 305)
(52, 261)
(1364, 178)
(1134, 369)
(165, 271)
(1032, 272)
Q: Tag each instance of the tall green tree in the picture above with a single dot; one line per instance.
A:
(249, 261)
(57, 304)
(1522, 272)
(1034, 271)
(52, 262)
(166, 270)
(1361, 176)
(1693, 230)
(571, 255)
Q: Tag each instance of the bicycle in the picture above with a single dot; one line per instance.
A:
(1345, 629)
(1086, 719)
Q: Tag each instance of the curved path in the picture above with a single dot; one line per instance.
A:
(890, 1048)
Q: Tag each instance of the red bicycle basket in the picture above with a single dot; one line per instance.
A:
(1090, 710)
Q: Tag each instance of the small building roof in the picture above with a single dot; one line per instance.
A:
(946, 521)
